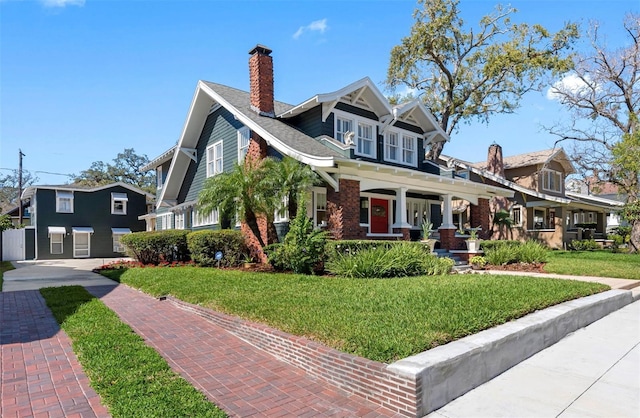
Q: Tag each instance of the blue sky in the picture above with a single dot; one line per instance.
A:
(81, 80)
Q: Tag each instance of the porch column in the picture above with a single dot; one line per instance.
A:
(401, 209)
(447, 213)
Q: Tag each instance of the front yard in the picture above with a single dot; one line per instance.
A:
(379, 319)
(594, 263)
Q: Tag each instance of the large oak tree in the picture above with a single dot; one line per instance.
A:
(463, 73)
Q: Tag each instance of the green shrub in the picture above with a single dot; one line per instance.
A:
(157, 246)
(502, 254)
(351, 247)
(303, 249)
(401, 259)
(491, 244)
(532, 252)
(203, 246)
(584, 245)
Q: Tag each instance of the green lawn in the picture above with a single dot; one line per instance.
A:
(594, 263)
(4, 266)
(132, 379)
(380, 319)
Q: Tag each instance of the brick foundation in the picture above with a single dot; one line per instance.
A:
(448, 238)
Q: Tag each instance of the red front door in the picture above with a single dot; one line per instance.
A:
(379, 216)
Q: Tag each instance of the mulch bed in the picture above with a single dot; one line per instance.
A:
(530, 268)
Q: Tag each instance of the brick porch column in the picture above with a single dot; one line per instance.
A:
(447, 238)
(481, 216)
(348, 198)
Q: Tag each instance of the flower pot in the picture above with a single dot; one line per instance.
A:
(473, 245)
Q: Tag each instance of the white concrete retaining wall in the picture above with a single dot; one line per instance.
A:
(449, 371)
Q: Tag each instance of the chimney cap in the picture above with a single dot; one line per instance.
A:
(260, 49)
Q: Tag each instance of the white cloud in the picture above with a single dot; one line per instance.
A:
(315, 26)
(570, 83)
(62, 3)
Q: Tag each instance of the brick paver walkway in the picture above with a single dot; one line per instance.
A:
(40, 374)
(241, 379)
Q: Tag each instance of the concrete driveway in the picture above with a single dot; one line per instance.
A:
(32, 275)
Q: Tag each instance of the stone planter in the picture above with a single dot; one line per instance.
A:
(473, 245)
(430, 242)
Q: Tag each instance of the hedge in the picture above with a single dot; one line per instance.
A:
(154, 247)
(204, 245)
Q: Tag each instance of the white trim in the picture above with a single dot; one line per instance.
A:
(401, 135)
(212, 218)
(53, 235)
(31, 190)
(356, 122)
(215, 153)
(243, 133)
(547, 175)
(64, 196)
(121, 198)
(57, 230)
(79, 251)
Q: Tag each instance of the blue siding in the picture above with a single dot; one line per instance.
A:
(220, 125)
(310, 122)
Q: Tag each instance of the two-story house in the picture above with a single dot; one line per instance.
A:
(368, 153)
(541, 207)
(72, 221)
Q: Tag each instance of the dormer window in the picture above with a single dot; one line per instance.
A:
(342, 127)
(366, 143)
(400, 148)
(552, 181)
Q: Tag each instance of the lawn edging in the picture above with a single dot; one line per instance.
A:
(449, 371)
(422, 383)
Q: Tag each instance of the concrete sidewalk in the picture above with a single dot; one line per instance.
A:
(593, 372)
(32, 275)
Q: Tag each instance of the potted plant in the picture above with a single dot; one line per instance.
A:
(478, 262)
(426, 231)
(248, 261)
(473, 242)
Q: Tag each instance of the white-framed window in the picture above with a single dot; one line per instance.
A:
(516, 215)
(400, 147)
(366, 141)
(56, 242)
(244, 136)
(64, 201)
(164, 221)
(409, 144)
(343, 125)
(391, 146)
(417, 211)
(551, 180)
(119, 203)
(317, 206)
(214, 159)
(200, 219)
(179, 220)
(159, 177)
(282, 213)
(116, 236)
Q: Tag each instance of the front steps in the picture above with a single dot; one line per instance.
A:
(459, 264)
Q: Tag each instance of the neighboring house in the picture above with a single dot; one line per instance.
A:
(368, 153)
(541, 208)
(600, 190)
(73, 221)
(14, 213)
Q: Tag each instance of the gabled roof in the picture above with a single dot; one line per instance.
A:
(543, 157)
(74, 187)
(364, 94)
(159, 160)
(278, 134)
(501, 180)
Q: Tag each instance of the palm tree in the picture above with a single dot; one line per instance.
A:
(502, 218)
(250, 191)
(294, 178)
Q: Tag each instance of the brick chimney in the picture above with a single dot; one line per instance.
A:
(495, 164)
(261, 80)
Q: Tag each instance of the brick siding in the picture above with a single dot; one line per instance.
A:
(348, 198)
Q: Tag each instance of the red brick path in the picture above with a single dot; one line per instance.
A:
(40, 374)
(241, 379)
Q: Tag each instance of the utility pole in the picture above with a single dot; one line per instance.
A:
(20, 155)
